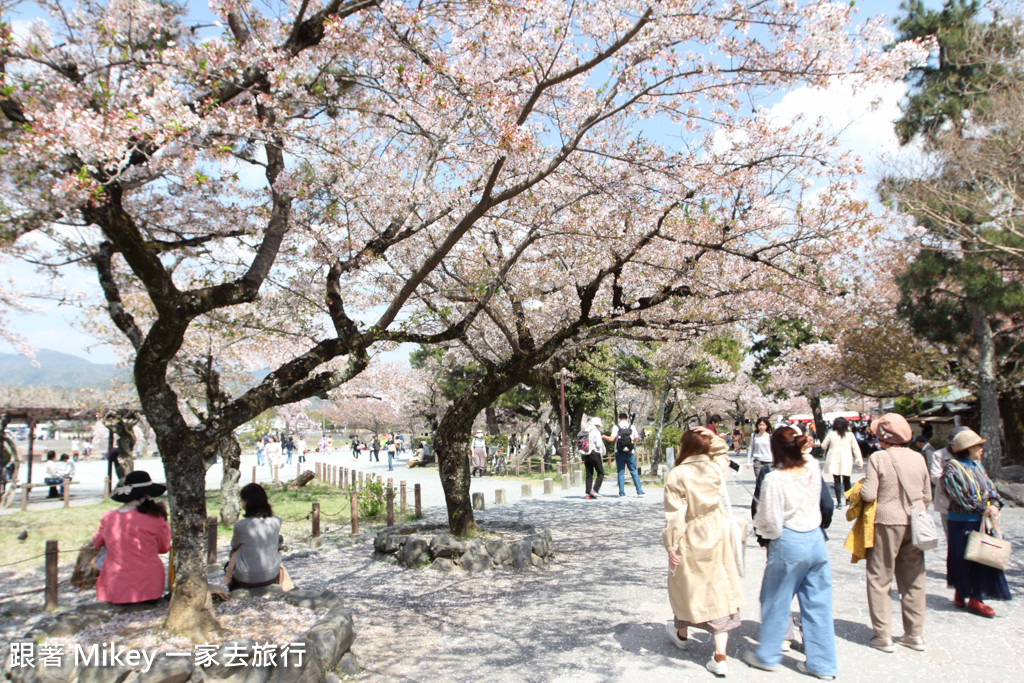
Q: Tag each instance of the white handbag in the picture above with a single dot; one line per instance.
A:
(924, 532)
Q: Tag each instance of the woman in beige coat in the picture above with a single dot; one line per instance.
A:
(841, 451)
(703, 583)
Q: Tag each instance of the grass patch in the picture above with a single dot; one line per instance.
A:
(71, 528)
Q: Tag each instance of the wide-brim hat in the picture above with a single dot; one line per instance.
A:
(136, 485)
(966, 439)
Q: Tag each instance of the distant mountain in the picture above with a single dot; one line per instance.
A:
(57, 369)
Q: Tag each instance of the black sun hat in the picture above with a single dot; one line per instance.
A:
(136, 485)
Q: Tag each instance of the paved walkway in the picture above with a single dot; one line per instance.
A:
(598, 613)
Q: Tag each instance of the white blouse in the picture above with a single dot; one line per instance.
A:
(791, 502)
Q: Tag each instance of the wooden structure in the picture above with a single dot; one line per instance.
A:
(32, 417)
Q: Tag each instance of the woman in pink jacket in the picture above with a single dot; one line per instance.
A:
(135, 535)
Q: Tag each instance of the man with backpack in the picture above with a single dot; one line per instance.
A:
(591, 448)
(625, 436)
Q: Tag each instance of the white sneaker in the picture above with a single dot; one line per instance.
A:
(720, 669)
(673, 635)
(787, 645)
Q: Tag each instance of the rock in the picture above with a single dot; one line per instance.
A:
(380, 542)
(234, 658)
(330, 600)
(331, 638)
(296, 663)
(394, 543)
(537, 560)
(349, 665)
(521, 553)
(476, 557)
(539, 545)
(103, 674)
(167, 670)
(66, 672)
(1012, 493)
(443, 564)
(390, 559)
(301, 598)
(330, 677)
(499, 552)
(446, 545)
(415, 552)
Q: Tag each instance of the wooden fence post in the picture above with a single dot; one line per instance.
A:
(254, 474)
(315, 535)
(391, 505)
(25, 488)
(67, 493)
(211, 540)
(106, 488)
(401, 496)
(354, 502)
(51, 575)
(417, 500)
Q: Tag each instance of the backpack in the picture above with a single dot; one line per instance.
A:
(624, 439)
(583, 442)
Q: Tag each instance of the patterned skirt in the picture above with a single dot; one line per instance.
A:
(719, 625)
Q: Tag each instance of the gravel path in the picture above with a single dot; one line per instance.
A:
(598, 613)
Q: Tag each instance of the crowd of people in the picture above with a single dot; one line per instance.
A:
(791, 510)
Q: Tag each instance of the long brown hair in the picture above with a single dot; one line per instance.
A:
(692, 443)
(788, 448)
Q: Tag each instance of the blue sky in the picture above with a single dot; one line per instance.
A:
(867, 132)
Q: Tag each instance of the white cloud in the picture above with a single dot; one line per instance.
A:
(862, 120)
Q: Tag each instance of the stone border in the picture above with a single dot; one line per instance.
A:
(413, 546)
(327, 647)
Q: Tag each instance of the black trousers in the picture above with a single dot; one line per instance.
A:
(592, 462)
(841, 485)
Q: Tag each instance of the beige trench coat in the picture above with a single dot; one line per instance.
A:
(841, 452)
(706, 584)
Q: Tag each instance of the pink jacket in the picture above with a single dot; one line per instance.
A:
(133, 570)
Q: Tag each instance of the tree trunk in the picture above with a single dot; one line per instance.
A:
(191, 609)
(657, 452)
(231, 460)
(535, 434)
(1011, 407)
(819, 419)
(451, 444)
(124, 461)
(988, 391)
(491, 417)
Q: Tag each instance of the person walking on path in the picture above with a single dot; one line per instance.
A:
(895, 476)
(841, 452)
(704, 587)
(940, 459)
(592, 451)
(625, 437)
(789, 516)
(759, 453)
(737, 439)
(972, 499)
(375, 452)
(478, 454)
(392, 453)
(713, 422)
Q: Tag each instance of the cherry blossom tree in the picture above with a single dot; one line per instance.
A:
(381, 171)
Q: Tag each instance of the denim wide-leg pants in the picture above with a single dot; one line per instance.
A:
(798, 565)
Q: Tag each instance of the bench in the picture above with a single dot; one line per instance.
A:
(26, 489)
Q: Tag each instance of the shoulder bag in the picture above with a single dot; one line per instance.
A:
(988, 547)
(924, 533)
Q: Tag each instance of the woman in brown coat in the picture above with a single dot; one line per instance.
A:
(703, 582)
